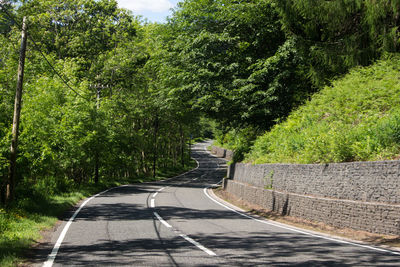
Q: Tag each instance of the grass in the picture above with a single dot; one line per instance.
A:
(355, 119)
(21, 224)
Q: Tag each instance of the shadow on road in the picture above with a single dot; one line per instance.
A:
(258, 248)
(248, 247)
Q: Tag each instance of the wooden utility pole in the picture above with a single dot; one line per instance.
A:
(182, 145)
(96, 159)
(155, 154)
(17, 112)
(190, 147)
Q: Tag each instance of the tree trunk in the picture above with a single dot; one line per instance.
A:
(17, 112)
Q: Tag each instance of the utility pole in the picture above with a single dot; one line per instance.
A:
(155, 155)
(190, 146)
(17, 112)
(96, 167)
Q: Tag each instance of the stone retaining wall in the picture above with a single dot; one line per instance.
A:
(359, 195)
(222, 153)
(377, 181)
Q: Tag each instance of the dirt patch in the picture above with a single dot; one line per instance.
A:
(389, 241)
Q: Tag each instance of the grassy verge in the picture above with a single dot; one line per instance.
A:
(21, 224)
(355, 119)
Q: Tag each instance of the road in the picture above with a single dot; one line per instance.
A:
(177, 223)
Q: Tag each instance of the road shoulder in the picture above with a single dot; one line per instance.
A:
(361, 237)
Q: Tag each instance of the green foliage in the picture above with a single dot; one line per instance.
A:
(231, 62)
(42, 203)
(224, 68)
(78, 28)
(122, 123)
(269, 180)
(355, 119)
(276, 86)
(239, 141)
(337, 35)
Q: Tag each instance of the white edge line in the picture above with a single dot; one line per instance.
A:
(198, 165)
(152, 205)
(299, 231)
(162, 220)
(52, 256)
(197, 244)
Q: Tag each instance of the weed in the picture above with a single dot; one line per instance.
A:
(269, 180)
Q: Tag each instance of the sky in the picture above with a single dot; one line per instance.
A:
(153, 10)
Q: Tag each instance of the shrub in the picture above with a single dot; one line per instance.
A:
(355, 119)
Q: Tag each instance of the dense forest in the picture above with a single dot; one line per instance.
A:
(108, 96)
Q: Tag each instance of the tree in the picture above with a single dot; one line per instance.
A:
(233, 62)
(337, 35)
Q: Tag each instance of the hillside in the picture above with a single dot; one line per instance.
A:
(357, 118)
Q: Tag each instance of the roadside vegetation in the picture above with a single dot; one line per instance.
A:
(109, 98)
(44, 203)
(357, 118)
(350, 110)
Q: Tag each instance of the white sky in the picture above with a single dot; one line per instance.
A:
(154, 10)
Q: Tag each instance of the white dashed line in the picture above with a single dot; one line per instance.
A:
(152, 205)
(162, 220)
(197, 244)
(155, 194)
(194, 242)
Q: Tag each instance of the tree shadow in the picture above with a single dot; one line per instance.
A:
(276, 247)
(235, 249)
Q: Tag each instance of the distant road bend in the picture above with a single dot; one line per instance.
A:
(177, 223)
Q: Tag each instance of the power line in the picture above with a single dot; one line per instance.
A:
(42, 54)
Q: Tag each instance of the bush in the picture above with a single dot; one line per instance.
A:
(238, 140)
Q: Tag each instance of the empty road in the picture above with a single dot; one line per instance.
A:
(177, 223)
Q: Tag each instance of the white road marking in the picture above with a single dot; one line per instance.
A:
(183, 174)
(52, 256)
(300, 231)
(162, 220)
(197, 244)
(194, 242)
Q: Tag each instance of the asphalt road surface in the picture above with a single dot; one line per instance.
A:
(177, 223)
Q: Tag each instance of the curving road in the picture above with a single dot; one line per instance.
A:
(177, 223)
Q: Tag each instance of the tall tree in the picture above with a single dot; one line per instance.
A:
(336, 35)
(228, 55)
